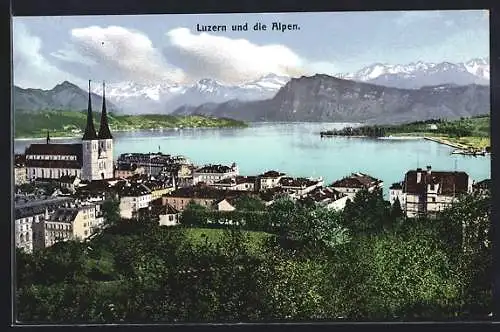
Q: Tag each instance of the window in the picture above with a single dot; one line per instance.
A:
(170, 217)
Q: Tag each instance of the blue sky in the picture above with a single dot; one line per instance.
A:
(156, 48)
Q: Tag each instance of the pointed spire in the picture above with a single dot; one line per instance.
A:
(90, 133)
(48, 137)
(104, 132)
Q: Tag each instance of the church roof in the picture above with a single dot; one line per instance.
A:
(90, 133)
(55, 149)
(104, 132)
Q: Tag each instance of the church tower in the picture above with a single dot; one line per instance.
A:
(97, 154)
(90, 147)
(105, 149)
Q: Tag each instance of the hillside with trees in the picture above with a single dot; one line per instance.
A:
(290, 261)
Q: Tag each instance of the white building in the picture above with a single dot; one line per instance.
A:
(356, 182)
(270, 179)
(133, 198)
(29, 215)
(169, 216)
(76, 222)
(209, 174)
(90, 160)
(427, 192)
(240, 183)
(396, 193)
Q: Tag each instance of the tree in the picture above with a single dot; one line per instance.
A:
(111, 212)
(194, 215)
(249, 203)
(368, 213)
(396, 210)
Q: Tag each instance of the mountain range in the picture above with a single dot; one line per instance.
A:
(325, 98)
(209, 96)
(420, 74)
(66, 95)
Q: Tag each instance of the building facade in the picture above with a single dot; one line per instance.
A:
(209, 174)
(428, 192)
(134, 197)
(270, 179)
(356, 182)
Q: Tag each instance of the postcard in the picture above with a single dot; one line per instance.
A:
(267, 167)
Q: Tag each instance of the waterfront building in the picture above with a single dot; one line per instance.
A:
(123, 170)
(153, 163)
(90, 160)
(270, 179)
(239, 182)
(209, 174)
(356, 182)
(427, 192)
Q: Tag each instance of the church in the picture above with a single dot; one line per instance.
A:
(90, 160)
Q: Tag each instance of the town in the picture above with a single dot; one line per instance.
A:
(60, 188)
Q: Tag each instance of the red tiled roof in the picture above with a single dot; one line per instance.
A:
(297, 182)
(357, 180)
(322, 193)
(450, 183)
(237, 180)
(272, 174)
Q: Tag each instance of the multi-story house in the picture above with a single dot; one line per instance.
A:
(356, 182)
(77, 222)
(134, 197)
(127, 170)
(270, 179)
(200, 194)
(29, 214)
(427, 192)
(209, 174)
(241, 183)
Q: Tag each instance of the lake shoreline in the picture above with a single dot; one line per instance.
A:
(56, 137)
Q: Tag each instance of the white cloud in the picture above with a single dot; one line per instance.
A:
(232, 60)
(122, 53)
(30, 67)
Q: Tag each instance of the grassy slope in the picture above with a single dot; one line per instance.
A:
(479, 139)
(66, 123)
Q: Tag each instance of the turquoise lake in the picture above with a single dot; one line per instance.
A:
(298, 150)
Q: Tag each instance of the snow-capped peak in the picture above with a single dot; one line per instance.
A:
(473, 71)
